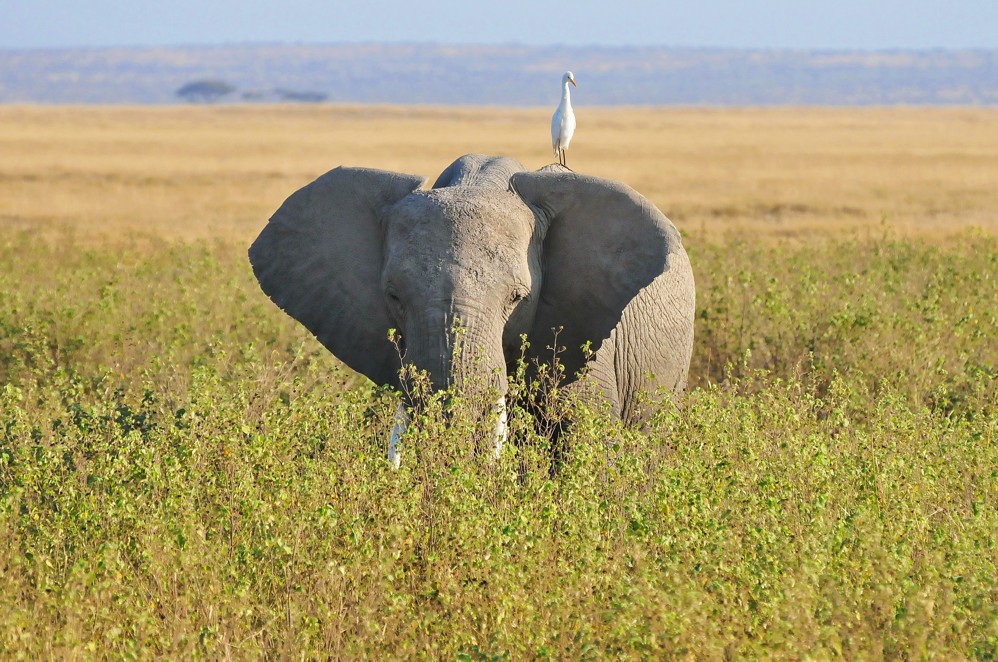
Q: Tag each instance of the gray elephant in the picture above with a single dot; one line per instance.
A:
(504, 250)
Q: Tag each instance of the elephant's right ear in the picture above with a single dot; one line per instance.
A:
(319, 258)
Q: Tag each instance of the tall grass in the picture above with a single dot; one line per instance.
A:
(184, 473)
(918, 317)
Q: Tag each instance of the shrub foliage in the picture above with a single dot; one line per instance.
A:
(185, 473)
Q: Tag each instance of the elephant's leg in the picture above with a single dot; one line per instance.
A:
(502, 427)
(399, 424)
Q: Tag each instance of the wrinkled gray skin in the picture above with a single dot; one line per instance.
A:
(507, 251)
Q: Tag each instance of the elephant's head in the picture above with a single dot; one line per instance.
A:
(502, 251)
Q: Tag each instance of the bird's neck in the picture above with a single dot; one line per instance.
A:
(566, 96)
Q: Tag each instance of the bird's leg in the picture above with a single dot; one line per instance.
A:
(502, 426)
(399, 424)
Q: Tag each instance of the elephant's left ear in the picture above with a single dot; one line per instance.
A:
(320, 256)
(605, 242)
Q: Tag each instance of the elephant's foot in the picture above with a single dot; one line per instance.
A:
(502, 427)
(398, 429)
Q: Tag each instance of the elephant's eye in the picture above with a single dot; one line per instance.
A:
(394, 302)
(517, 296)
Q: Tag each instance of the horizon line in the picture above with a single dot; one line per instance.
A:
(503, 44)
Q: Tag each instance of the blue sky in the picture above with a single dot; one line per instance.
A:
(809, 24)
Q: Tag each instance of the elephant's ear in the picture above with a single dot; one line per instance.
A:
(319, 258)
(604, 243)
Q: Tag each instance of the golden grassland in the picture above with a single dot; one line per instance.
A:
(185, 473)
(220, 171)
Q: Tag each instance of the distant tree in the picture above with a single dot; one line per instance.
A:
(205, 91)
(305, 97)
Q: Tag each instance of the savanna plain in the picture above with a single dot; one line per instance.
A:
(186, 473)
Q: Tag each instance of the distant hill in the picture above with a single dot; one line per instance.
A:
(501, 75)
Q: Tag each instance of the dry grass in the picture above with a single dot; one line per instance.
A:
(185, 473)
(195, 172)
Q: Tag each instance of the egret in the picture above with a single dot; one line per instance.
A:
(563, 122)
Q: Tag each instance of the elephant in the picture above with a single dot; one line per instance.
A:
(559, 257)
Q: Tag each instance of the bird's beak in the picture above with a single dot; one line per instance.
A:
(572, 81)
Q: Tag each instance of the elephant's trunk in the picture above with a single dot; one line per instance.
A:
(457, 347)
(455, 354)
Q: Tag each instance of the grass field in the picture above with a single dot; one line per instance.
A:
(208, 172)
(184, 472)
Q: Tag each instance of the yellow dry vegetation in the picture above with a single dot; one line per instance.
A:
(220, 171)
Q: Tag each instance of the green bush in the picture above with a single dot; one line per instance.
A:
(185, 473)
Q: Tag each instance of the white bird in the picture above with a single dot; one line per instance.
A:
(563, 122)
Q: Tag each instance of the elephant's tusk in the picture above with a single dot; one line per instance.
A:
(399, 424)
(401, 421)
(499, 436)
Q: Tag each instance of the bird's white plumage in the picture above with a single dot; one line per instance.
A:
(563, 122)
